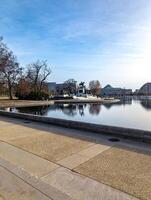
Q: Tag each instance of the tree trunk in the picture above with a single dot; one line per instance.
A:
(40, 88)
(10, 92)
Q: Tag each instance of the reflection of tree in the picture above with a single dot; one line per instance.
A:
(72, 109)
(146, 103)
(37, 110)
(95, 109)
(69, 110)
(78, 109)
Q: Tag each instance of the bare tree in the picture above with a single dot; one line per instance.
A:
(10, 71)
(95, 87)
(23, 88)
(70, 86)
(37, 74)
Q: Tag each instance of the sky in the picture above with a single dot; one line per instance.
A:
(105, 40)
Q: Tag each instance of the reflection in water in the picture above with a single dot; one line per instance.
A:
(35, 110)
(81, 110)
(8, 109)
(146, 104)
(75, 109)
(68, 110)
(124, 101)
(94, 109)
(129, 112)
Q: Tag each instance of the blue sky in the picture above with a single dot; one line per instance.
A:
(108, 40)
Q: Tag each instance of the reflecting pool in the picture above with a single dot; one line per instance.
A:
(129, 112)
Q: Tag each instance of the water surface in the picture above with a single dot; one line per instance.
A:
(129, 112)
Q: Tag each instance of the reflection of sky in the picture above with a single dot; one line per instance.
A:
(129, 115)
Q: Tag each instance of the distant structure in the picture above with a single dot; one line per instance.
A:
(81, 91)
(136, 92)
(52, 86)
(110, 91)
(145, 89)
(55, 88)
(66, 88)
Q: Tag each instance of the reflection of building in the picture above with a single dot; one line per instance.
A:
(81, 109)
(145, 89)
(111, 91)
(146, 103)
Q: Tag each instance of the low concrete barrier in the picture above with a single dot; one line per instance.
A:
(78, 101)
(128, 133)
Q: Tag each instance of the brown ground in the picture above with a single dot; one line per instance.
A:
(125, 169)
(4, 103)
(51, 146)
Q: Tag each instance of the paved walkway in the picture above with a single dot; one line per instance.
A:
(39, 161)
(6, 103)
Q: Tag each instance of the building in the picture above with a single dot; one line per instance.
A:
(145, 89)
(61, 88)
(110, 91)
(55, 88)
(136, 92)
(51, 86)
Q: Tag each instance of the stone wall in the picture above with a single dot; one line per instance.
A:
(127, 133)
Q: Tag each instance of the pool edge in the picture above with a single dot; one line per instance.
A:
(128, 133)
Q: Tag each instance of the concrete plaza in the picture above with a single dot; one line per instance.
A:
(41, 161)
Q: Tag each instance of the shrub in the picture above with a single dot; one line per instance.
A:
(33, 96)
